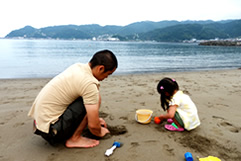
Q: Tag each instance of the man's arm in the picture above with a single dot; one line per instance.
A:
(94, 123)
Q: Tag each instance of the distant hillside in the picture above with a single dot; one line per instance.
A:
(64, 32)
(145, 26)
(169, 31)
(198, 31)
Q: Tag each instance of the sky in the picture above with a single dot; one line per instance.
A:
(16, 14)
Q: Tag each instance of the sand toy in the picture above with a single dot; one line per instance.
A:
(114, 146)
(143, 116)
(209, 158)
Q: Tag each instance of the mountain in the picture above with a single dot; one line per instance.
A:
(177, 33)
(172, 31)
(144, 26)
(64, 32)
(183, 32)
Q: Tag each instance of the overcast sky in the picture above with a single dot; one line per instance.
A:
(15, 14)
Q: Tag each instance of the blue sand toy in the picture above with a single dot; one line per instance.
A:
(114, 146)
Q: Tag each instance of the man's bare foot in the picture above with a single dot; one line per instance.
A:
(81, 142)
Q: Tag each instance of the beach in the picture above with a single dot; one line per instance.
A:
(217, 95)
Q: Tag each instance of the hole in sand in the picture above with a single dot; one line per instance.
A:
(114, 130)
(117, 130)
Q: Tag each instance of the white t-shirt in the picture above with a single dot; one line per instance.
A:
(61, 91)
(186, 109)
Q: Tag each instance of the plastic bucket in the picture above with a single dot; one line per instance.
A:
(143, 116)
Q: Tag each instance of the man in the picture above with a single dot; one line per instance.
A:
(71, 101)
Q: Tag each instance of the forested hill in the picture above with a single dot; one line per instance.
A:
(168, 31)
(197, 31)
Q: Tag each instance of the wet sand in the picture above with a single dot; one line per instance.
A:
(217, 95)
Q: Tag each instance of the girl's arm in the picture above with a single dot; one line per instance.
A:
(170, 113)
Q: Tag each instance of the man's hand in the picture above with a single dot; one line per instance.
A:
(104, 131)
(97, 126)
(103, 123)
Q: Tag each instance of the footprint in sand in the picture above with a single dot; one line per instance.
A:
(51, 157)
(218, 117)
(123, 118)
(169, 151)
(18, 124)
(103, 114)
(227, 125)
(134, 144)
(143, 103)
(186, 92)
(230, 127)
(150, 141)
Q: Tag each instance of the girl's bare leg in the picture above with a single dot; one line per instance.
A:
(176, 122)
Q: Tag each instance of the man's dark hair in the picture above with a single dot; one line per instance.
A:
(105, 58)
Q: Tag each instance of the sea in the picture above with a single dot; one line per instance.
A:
(21, 58)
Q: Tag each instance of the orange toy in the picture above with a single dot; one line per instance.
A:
(157, 120)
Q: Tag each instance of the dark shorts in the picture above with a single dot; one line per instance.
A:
(67, 124)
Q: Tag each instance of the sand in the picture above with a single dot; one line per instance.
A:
(217, 95)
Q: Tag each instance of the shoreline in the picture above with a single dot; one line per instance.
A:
(139, 73)
(216, 94)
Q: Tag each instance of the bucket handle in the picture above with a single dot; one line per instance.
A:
(143, 121)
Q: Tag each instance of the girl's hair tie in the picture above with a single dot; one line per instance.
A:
(173, 80)
(161, 87)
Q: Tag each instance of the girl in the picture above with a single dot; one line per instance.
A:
(181, 111)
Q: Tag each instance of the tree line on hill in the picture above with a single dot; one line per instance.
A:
(163, 31)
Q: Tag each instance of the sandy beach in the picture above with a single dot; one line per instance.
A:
(217, 95)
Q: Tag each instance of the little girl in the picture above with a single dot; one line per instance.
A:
(181, 111)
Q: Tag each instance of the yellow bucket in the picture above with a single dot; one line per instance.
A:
(143, 116)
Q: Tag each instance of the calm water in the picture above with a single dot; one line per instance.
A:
(46, 58)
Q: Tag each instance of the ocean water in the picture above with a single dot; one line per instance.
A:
(47, 58)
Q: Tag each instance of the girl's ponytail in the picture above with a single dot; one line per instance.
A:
(164, 87)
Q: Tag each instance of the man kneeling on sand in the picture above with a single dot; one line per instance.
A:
(70, 102)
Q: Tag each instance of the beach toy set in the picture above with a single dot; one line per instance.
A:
(114, 146)
(143, 116)
(209, 158)
(157, 120)
(188, 157)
